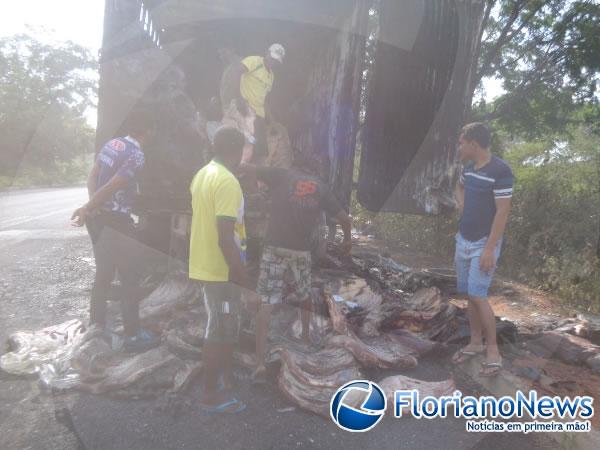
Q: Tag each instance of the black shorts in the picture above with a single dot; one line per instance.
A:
(222, 301)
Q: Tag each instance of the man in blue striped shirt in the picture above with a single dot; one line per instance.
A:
(484, 196)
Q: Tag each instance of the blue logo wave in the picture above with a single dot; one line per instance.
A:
(353, 417)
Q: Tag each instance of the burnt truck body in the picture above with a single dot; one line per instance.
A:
(163, 54)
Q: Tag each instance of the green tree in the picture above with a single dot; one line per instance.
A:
(554, 224)
(547, 55)
(45, 91)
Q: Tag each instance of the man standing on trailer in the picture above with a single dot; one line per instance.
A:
(251, 80)
(484, 196)
(217, 254)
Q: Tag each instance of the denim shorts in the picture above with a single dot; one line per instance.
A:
(470, 279)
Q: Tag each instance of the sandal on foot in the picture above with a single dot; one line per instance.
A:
(490, 369)
(463, 355)
(232, 406)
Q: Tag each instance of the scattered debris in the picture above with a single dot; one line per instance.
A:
(370, 313)
(566, 347)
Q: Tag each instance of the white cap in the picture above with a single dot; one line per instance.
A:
(277, 52)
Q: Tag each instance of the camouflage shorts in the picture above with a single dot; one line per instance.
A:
(280, 269)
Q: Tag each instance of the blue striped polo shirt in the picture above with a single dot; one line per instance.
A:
(482, 188)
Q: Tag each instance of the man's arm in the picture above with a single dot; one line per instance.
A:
(268, 175)
(503, 205)
(93, 179)
(231, 252)
(459, 196)
(116, 183)
(459, 191)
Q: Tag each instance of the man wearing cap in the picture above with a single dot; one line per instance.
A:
(256, 76)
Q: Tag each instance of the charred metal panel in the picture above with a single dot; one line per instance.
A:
(316, 94)
(137, 72)
(416, 104)
(317, 91)
(128, 50)
(333, 99)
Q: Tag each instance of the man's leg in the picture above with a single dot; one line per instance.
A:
(300, 265)
(488, 323)
(222, 329)
(479, 283)
(462, 262)
(263, 321)
(475, 325)
(270, 289)
(105, 271)
(128, 260)
(230, 328)
(260, 151)
(211, 362)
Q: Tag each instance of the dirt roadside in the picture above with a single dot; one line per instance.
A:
(46, 281)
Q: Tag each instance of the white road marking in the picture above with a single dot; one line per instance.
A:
(24, 219)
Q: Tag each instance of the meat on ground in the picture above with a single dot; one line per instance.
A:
(380, 352)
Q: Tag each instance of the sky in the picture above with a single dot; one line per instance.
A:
(76, 20)
(81, 22)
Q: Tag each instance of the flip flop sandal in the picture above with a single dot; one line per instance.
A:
(464, 356)
(224, 408)
(495, 367)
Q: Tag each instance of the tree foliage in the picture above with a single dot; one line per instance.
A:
(45, 91)
(546, 54)
(554, 226)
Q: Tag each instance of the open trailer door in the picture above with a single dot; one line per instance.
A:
(417, 99)
(316, 94)
(417, 95)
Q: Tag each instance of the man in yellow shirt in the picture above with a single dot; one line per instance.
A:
(248, 82)
(217, 254)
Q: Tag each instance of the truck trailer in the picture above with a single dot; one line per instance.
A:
(374, 90)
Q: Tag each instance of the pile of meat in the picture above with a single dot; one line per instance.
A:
(365, 330)
(372, 316)
(354, 328)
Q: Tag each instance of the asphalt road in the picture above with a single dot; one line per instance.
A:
(46, 269)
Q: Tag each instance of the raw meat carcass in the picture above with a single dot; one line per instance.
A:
(426, 388)
(380, 352)
(143, 375)
(175, 292)
(310, 379)
(570, 349)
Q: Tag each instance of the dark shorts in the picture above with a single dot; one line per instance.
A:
(222, 301)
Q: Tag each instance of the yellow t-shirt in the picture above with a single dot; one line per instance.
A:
(216, 192)
(256, 83)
